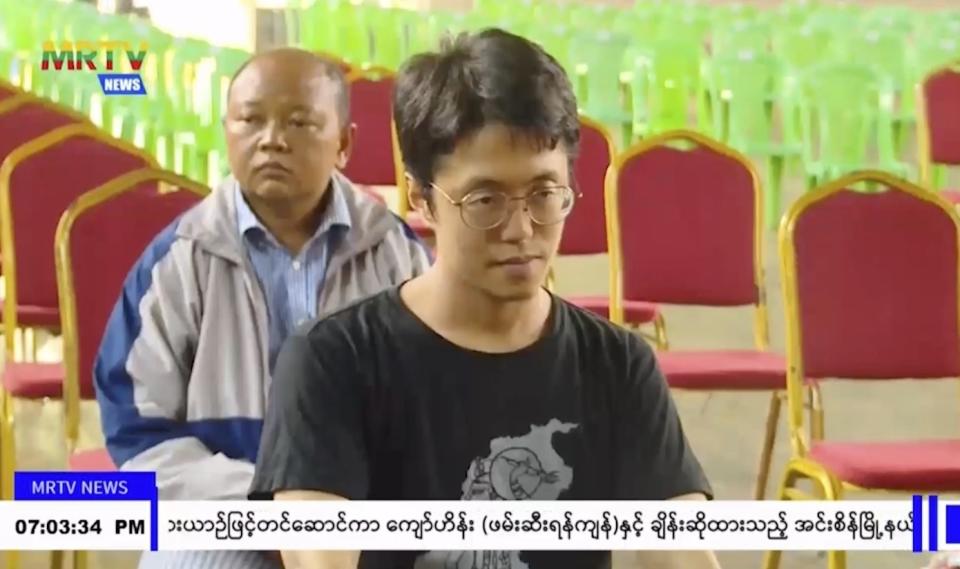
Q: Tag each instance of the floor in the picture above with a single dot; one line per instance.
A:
(725, 429)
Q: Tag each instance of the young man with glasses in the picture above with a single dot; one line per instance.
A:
(472, 381)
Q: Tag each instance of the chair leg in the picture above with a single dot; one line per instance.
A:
(80, 559)
(56, 560)
(771, 559)
(660, 327)
(8, 453)
(836, 560)
(774, 184)
(816, 413)
(832, 490)
(769, 441)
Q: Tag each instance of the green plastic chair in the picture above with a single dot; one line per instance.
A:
(596, 58)
(747, 36)
(886, 50)
(312, 28)
(391, 29)
(845, 117)
(742, 89)
(428, 30)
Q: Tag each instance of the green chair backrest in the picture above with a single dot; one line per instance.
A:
(803, 47)
(749, 36)
(597, 59)
(741, 87)
(844, 115)
(391, 30)
(883, 49)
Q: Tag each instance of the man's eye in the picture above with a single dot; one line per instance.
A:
(482, 200)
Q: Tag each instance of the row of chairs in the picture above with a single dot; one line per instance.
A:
(653, 182)
(815, 85)
(871, 272)
(177, 122)
(77, 209)
(938, 144)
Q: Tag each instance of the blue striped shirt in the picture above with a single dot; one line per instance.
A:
(291, 284)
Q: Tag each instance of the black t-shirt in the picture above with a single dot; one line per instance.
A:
(371, 403)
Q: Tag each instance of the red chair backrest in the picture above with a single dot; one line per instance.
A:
(584, 232)
(28, 121)
(875, 281)
(687, 222)
(370, 109)
(105, 242)
(42, 186)
(942, 95)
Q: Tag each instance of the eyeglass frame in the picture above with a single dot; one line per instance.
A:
(525, 199)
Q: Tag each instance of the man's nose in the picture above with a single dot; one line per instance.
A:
(518, 225)
(273, 137)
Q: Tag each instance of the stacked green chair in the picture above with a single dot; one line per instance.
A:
(428, 30)
(673, 82)
(845, 116)
(390, 28)
(555, 40)
(742, 88)
(596, 58)
(210, 136)
(885, 49)
(748, 36)
(189, 94)
(892, 19)
(309, 26)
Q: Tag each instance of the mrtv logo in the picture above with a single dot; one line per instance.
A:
(116, 63)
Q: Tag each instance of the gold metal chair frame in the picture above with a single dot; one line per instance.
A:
(800, 466)
(16, 157)
(10, 323)
(927, 173)
(659, 336)
(67, 293)
(761, 325)
(25, 98)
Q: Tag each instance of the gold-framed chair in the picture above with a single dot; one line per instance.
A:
(938, 127)
(705, 200)
(128, 211)
(585, 230)
(871, 284)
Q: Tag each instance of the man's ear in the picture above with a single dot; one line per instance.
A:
(419, 200)
(347, 135)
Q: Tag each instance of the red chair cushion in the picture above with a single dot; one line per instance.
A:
(97, 460)
(724, 370)
(634, 311)
(28, 380)
(952, 196)
(36, 316)
(918, 466)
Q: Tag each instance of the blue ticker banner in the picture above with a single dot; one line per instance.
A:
(98, 486)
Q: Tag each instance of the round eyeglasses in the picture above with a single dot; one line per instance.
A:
(486, 209)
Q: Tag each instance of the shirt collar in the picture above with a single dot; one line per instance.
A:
(337, 214)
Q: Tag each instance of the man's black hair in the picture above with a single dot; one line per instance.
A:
(490, 77)
(328, 68)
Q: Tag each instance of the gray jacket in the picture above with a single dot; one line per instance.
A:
(183, 372)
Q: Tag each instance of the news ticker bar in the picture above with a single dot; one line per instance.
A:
(51, 512)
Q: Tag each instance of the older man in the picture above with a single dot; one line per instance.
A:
(184, 370)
